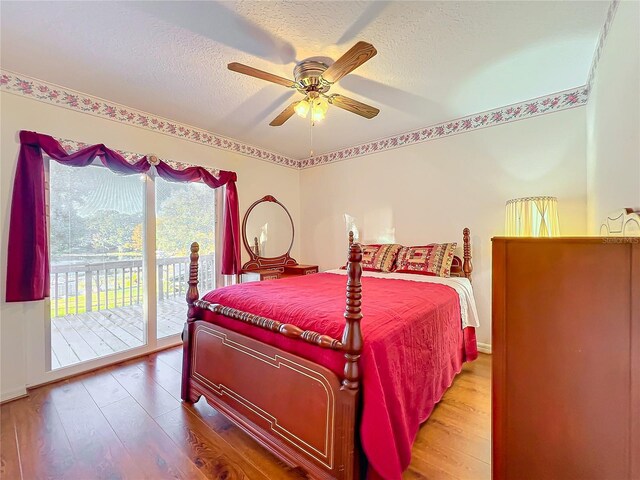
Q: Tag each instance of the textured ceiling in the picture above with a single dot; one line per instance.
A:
(436, 60)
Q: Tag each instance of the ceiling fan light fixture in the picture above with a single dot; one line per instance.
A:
(302, 108)
(321, 104)
(319, 107)
(317, 115)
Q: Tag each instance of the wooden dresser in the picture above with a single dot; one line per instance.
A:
(566, 358)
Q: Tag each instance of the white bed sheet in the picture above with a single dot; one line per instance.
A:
(462, 286)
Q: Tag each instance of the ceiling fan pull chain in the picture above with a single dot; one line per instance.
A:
(311, 134)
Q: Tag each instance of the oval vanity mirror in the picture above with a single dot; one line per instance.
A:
(267, 234)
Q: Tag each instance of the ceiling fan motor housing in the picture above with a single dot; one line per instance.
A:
(308, 74)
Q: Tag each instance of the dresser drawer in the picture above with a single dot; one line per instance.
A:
(259, 275)
(301, 270)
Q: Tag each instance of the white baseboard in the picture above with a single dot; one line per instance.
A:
(13, 394)
(484, 347)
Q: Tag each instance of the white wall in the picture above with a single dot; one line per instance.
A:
(428, 192)
(613, 120)
(22, 324)
(421, 193)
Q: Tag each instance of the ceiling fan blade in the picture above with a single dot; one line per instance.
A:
(356, 56)
(254, 72)
(354, 106)
(284, 115)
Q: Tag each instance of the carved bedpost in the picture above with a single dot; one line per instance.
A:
(192, 297)
(192, 291)
(352, 336)
(467, 266)
(350, 237)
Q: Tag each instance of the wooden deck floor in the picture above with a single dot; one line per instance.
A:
(77, 338)
(126, 421)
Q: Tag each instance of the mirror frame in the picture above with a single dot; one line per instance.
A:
(260, 263)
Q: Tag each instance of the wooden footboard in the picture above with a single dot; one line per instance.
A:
(292, 406)
(296, 408)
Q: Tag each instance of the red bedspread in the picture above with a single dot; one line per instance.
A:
(413, 347)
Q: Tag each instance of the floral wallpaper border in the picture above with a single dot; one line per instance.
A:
(556, 102)
(63, 97)
(45, 92)
(611, 13)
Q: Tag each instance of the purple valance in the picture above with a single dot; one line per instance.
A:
(28, 251)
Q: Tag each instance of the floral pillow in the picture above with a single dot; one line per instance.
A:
(434, 259)
(379, 258)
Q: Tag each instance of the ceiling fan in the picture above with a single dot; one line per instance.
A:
(314, 79)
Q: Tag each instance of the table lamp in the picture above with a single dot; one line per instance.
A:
(532, 217)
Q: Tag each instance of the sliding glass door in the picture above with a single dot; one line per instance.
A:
(185, 212)
(96, 255)
(119, 249)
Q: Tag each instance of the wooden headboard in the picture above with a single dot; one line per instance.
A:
(460, 267)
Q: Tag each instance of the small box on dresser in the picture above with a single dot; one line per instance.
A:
(566, 358)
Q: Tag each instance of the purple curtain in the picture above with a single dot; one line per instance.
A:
(28, 251)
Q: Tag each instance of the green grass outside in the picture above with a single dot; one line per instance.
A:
(169, 286)
(129, 299)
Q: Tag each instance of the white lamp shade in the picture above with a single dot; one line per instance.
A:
(532, 217)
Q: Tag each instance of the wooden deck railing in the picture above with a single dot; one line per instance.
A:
(100, 286)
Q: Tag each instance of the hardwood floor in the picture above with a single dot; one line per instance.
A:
(127, 422)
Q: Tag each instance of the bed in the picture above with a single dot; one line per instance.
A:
(340, 396)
